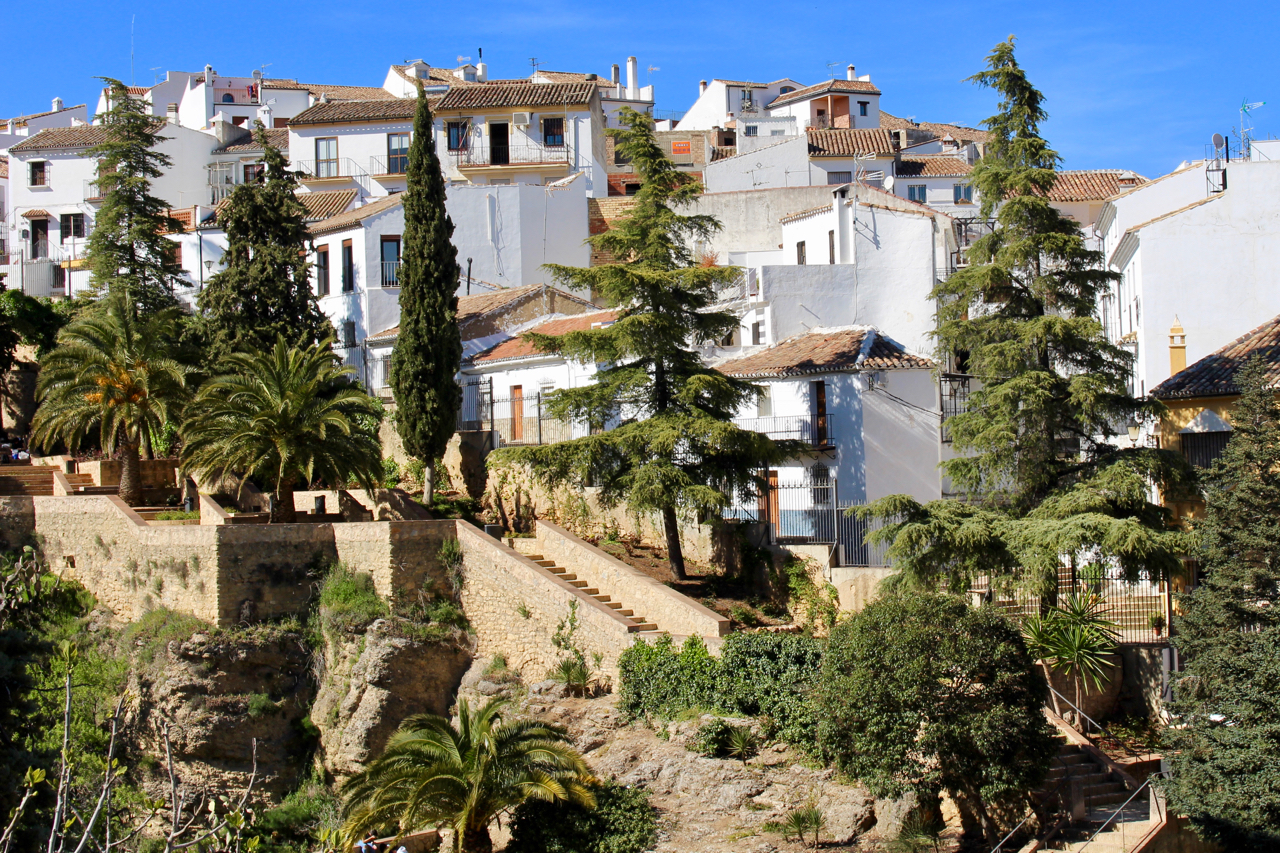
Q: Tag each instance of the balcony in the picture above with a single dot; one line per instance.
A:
(391, 273)
(94, 191)
(342, 168)
(396, 166)
(814, 430)
(485, 155)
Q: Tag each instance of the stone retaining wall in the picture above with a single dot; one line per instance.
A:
(501, 586)
(657, 602)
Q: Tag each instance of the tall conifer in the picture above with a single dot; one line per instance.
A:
(127, 250)
(428, 352)
(264, 290)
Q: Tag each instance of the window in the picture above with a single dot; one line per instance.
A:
(862, 107)
(278, 122)
(71, 226)
(1202, 449)
(322, 271)
(348, 267)
(239, 121)
(459, 135)
(730, 339)
(764, 403)
(916, 192)
(39, 174)
(553, 132)
(778, 131)
(785, 89)
(619, 159)
(962, 193)
(327, 157)
(800, 254)
(685, 148)
(172, 253)
(254, 172)
(818, 408)
(831, 247)
(757, 333)
(631, 189)
(751, 130)
(834, 178)
(349, 333)
(397, 153)
(391, 261)
(228, 98)
(820, 485)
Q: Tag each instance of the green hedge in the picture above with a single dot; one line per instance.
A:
(622, 822)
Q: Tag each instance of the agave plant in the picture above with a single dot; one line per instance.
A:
(803, 822)
(742, 743)
(1075, 638)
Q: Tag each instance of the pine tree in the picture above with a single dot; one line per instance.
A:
(428, 352)
(264, 290)
(127, 251)
(1224, 758)
(1036, 441)
(676, 447)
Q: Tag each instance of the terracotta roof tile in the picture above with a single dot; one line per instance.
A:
(54, 138)
(518, 347)
(351, 218)
(4, 167)
(742, 83)
(442, 75)
(326, 203)
(934, 166)
(604, 82)
(1215, 374)
(849, 142)
(480, 96)
(35, 213)
(826, 351)
(277, 137)
(861, 87)
(340, 112)
(21, 121)
(939, 130)
(1093, 184)
(471, 308)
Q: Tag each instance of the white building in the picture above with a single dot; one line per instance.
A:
(721, 102)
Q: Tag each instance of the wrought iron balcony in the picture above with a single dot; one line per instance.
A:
(326, 170)
(389, 167)
(484, 154)
(814, 430)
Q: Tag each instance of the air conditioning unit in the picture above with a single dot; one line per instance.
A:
(520, 119)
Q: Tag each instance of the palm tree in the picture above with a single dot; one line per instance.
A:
(114, 373)
(286, 417)
(433, 774)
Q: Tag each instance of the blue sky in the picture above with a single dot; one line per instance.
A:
(1139, 85)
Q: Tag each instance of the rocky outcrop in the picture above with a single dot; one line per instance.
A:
(215, 693)
(374, 680)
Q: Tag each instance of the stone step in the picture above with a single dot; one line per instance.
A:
(578, 584)
(1113, 799)
(613, 605)
(565, 576)
(534, 557)
(546, 564)
(603, 599)
(646, 626)
(590, 590)
(624, 612)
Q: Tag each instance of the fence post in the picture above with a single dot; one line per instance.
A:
(492, 426)
(835, 518)
(539, 404)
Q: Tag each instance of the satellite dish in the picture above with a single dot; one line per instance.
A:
(888, 182)
(1218, 141)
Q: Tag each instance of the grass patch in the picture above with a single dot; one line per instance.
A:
(348, 600)
(177, 515)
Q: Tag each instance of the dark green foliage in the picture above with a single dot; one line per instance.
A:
(29, 321)
(1225, 758)
(622, 822)
(1050, 390)
(921, 692)
(292, 826)
(719, 738)
(264, 289)
(658, 680)
(428, 351)
(127, 251)
(676, 448)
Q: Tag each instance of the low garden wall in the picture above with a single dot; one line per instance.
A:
(514, 606)
(657, 602)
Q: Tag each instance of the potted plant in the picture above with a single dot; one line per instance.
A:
(1157, 623)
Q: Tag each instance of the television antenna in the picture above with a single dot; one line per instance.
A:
(1246, 111)
(651, 69)
(831, 69)
(264, 66)
(155, 78)
(533, 60)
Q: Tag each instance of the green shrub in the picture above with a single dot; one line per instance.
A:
(414, 471)
(391, 475)
(622, 822)
(712, 739)
(260, 703)
(177, 515)
(744, 615)
(292, 826)
(658, 680)
(573, 673)
(348, 600)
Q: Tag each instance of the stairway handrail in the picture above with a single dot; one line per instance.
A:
(1146, 784)
(1057, 791)
(1102, 730)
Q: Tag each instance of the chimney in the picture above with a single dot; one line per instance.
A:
(171, 114)
(11, 127)
(633, 78)
(57, 105)
(1177, 347)
(702, 86)
(590, 78)
(850, 74)
(324, 97)
(615, 75)
(208, 75)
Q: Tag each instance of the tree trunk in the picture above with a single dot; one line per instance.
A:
(477, 840)
(130, 478)
(428, 480)
(1053, 694)
(284, 511)
(146, 444)
(674, 554)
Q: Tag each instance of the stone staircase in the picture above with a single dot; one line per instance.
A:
(18, 478)
(642, 624)
(1103, 793)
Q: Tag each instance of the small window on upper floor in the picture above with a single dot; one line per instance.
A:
(834, 178)
(751, 130)
(553, 132)
(800, 253)
(778, 131)
(917, 192)
(785, 89)
(757, 333)
(962, 193)
(862, 107)
(38, 174)
(228, 98)
(459, 135)
(764, 403)
(730, 339)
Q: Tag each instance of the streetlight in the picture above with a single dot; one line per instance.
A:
(1134, 430)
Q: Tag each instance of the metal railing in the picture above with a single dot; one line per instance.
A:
(518, 419)
(954, 396)
(94, 191)
(1130, 605)
(484, 154)
(384, 165)
(391, 273)
(340, 167)
(814, 430)
(1156, 800)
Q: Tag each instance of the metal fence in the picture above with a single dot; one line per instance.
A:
(516, 418)
(1129, 605)
(811, 429)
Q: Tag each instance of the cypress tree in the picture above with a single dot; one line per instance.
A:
(676, 448)
(1036, 442)
(428, 352)
(264, 290)
(1226, 754)
(127, 251)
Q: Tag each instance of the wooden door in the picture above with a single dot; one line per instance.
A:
(767, 505)
(819, 396)
(517, 413)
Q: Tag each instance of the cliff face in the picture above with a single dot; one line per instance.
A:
(373, 680)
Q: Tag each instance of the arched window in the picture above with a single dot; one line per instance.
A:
(228, 98)
(785, 89)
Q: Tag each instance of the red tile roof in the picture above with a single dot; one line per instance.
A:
(441, 75)
(476, 306)
(326, 203)
(52, 138)
(342, 112)
(482, 96)
(36, 213)
(1093, 184)
(4, 167)
(337, 93)
(1215, 375)
(520, 348)
(932, 166)
(850, 142)
(861, 87)
(826, 351)
(938, 129)
(279, 138)
(352, 218)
